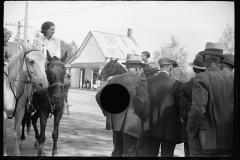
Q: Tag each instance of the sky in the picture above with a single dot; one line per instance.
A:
(193, 23)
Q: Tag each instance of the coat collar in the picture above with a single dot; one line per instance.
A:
(53, 38)
(164, 72)
(130, 72)
(213, 69)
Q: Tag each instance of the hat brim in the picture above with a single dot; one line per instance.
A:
(203, 53)
(175, 65)
(191, 64)
(169, 63)
(229, 63)
(132, 63)
(152, 71)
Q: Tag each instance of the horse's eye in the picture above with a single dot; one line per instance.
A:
(31, 62)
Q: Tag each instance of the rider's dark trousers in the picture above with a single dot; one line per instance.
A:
(125, 145)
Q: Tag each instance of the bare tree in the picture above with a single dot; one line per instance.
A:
(71, 47)
(228, 39)
(176, 52)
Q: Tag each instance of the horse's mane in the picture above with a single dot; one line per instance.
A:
(14, 66)
(120, 69)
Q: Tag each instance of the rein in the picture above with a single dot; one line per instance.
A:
(54, 62)
(31, 81)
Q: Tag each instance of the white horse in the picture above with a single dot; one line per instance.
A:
(28, 65)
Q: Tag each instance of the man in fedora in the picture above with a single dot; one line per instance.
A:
(151, 69)
(186, 98)
(127, 124)
(164, 124)
(210, 123)
(227, 65)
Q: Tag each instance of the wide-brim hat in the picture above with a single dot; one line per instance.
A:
(229, 60)
(134, 59)
(175, 64)
(198, 62)
(167, 60)
(151, 67)
(215, 49)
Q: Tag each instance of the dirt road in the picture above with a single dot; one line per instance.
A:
(80, 134)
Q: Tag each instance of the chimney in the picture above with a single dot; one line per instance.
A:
(129, 34)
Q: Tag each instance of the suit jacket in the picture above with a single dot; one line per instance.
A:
(185, 106)
(164, 120)
(138, 109)
(212, 111)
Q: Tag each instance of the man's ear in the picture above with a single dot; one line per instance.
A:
(204, 59)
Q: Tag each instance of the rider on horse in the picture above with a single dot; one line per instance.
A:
(48, 41)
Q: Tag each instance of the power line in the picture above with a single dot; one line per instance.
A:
(74, 11)
(159, 34)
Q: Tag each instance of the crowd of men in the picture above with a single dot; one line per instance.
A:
(163, 111)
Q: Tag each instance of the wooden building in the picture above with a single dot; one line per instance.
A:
(96, 50)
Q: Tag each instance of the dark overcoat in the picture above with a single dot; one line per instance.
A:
(185, 106)
(138, 109)
(211, 118)
(164, 121)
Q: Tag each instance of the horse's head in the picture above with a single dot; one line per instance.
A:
(34, 66)
(109, 70)
(55, 74)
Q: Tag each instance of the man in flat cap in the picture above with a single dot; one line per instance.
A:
(210, 123)
(164, 124)
(186, 99)
(151, 69)
(127, 125)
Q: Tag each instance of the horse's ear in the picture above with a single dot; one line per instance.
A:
(116, 60)
(64, 57)
(111, 59)
(24, 45)
(49, 57)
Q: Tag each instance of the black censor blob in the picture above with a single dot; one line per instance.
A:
(114, 98)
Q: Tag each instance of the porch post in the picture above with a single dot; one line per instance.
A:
(70, 73)
(91, 78)
(80, 79)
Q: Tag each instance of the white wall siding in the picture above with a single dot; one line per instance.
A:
(91, 52)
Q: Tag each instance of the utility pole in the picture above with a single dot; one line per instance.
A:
(25, 22)
(19, 27)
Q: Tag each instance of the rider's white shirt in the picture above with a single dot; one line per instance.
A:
(52, 45)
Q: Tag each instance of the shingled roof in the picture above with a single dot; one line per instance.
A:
(115, 46)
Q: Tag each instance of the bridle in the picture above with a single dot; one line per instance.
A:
(60, 84)
(30, 81)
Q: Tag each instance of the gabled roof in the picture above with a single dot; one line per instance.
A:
(111, 45)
